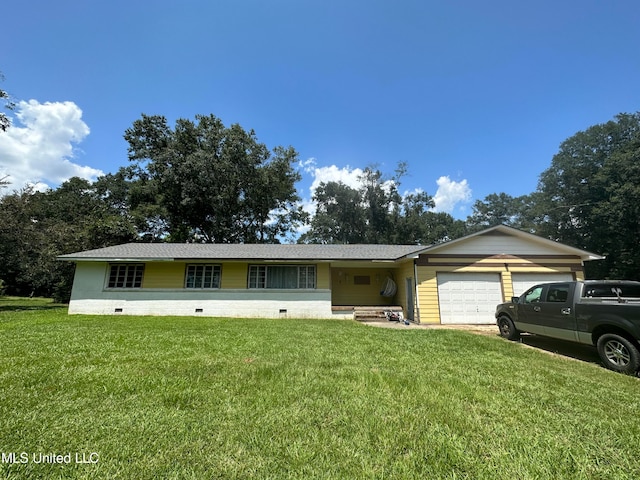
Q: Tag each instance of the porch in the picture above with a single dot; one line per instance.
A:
(367, 292)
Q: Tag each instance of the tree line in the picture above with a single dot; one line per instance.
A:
(200, 181)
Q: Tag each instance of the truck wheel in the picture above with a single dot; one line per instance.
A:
(618, 353)
(507, 328)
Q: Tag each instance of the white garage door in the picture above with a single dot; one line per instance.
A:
(524, 281)
(467, 298)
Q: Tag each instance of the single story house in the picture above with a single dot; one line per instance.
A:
(460, 281)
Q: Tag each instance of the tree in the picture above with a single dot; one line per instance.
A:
(339, 217)
(503, 209)
(16, 230)
(213, 183)
(36, 227)
(381, 202)
(366, 214)
(377, 213)
(419, 224)
(135, 201)
(5, 98)
(5, 122)
(590, 195)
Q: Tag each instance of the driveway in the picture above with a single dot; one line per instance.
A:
(584, 353)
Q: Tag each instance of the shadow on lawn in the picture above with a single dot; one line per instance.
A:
(585, 353)
(23, 307)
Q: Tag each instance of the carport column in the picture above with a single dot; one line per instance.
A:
(507, 284)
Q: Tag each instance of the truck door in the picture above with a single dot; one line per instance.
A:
(556, 311)
(529, 308)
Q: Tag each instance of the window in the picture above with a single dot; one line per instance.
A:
(533, 295)
(558, 293)
(202, 276)
(612, 290)
(307, 276)
(125, 275)
(282, 276)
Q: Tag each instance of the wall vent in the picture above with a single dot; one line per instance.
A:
(118, 310)
(199, 310)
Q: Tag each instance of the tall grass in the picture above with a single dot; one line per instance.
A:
(163, 397)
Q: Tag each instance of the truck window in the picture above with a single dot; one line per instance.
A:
(609, 290)
(630, 291)
(533, 295)
(598, 291)
(558, 293)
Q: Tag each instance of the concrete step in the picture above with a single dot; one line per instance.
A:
(373, 314)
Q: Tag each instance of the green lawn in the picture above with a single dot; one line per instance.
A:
(153, 397)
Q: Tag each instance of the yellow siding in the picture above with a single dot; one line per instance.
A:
(323, 276)
(234, 275)
(507, 284)
(163, 275)
(344, 291)
(428, 295)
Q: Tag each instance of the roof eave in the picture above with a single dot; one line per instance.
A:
(582, 254)
(233, 259)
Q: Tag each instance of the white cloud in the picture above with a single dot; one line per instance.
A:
(450, 194)
(308, 165)
(38, 149)
(332, 173)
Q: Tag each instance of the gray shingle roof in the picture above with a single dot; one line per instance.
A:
(192, 251)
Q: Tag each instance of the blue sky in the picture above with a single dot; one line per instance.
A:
(475, 97)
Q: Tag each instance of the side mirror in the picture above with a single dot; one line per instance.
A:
(515, 299)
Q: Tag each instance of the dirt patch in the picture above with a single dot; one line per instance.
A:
(480, 329)
(491, 330)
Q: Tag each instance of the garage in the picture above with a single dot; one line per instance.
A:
(463, 280)
(523, 281)
(468, 298)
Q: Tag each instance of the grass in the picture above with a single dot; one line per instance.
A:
(165, 397)
(8, 304)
